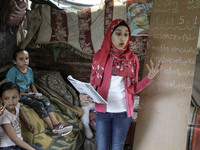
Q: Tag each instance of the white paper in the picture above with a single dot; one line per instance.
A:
(87, 89)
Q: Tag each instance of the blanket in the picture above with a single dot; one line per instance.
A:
(64, 113)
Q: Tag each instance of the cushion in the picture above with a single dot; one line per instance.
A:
(54, 81)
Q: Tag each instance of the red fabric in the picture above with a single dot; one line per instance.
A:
(130, 92)
(108, 14)
(195, 145)
(194, 136)
(123, 62)
(103, 66)
(61, 27)
(57, 22)
(126, 58)
(85, 38)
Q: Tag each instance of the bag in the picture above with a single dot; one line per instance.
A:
(12, 12)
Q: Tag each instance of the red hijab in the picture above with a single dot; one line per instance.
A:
(123, 60)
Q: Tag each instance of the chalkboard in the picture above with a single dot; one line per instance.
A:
(173, 35)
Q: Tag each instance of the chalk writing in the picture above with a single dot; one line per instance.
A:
(171, 36)
(193, 7)
(163, 10)
(172, 85)
(186, 50)
(162, 20)
(172, 31)
(177, 72)
(191, 20)
(172, 4)
(193, 4)
(175, 28)
(161, 48)
(177, 60)
(167, 20)
(165, 48)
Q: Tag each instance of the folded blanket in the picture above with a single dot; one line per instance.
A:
(64, 113)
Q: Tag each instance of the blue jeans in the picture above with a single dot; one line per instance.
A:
(111, 130)
(19, 148)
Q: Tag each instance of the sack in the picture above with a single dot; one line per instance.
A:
(12, 12)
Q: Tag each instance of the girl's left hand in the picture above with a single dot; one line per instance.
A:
(31, 127)
(2, 109)
(153, 71)
(85, 99)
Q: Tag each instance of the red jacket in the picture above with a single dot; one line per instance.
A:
(130, 92)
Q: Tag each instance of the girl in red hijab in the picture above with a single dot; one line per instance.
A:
(115, 77)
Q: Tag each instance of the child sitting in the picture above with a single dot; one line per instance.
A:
(22, 75)
(10, 129)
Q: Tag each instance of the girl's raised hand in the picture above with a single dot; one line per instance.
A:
(2, 109)
(153, 70)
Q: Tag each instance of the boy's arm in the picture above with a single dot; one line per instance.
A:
(13, 136)
(25, 94)
(33, 88)
(23, 116)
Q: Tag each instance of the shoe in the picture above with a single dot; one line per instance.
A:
(61, 128)
(57, 135)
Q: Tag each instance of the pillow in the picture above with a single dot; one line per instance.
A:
(55, 81)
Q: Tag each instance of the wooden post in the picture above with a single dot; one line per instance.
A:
(162, 122)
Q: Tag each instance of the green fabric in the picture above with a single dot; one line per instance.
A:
(64, 113)
(55, 52)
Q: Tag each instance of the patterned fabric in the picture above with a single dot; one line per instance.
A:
(124, 60)
(102, 66)
(56, 83)
(64, 113)
(46, 25)
(194, 129)
(123, 63)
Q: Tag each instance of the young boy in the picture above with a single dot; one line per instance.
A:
(10, 128)
(22, 75)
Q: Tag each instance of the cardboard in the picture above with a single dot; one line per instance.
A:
(173, 35)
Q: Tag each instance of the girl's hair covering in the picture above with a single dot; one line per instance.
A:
(121, 24)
